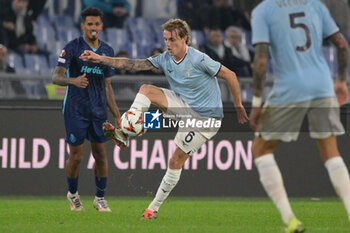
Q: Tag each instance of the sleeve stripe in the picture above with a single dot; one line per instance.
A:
(150, 60)
(218, 70)
(331, 34)
(261, 42)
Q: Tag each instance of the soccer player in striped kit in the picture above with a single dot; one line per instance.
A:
(88, 93)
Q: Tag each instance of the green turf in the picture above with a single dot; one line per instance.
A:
(241, 215)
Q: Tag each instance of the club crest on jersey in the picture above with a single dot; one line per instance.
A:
(63, 53)
(88, 70)
(188, 72)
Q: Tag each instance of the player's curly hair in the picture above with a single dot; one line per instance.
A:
(180, 26)
(91, 11)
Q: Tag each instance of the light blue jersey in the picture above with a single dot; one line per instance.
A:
(193, 79)
(295, 30)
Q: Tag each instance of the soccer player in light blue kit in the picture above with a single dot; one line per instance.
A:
(195, 91)
(303, 85)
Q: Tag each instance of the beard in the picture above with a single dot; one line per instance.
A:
(93, 38)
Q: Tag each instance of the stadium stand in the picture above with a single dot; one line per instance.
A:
(44, 34)
(55, 47)
(15, 60)
(67, 34)
(138, 37)
(62, 21)
(117, 38)
(37, 64)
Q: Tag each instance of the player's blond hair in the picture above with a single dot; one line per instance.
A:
(180, 26)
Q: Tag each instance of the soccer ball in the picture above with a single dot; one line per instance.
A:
(132, 123)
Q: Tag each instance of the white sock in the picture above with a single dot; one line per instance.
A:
(141, 103)
(169, 181)
(271, 179)
(339, 176)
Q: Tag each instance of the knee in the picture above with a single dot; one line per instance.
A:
(255, 150)
(75, 158)
(261, 147)
(100, 157)
(100, 160)
(145, 89)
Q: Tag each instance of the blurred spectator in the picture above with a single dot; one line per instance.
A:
(18, 26)
(187, 10)
(215, 48)
(3, 39)
(4, 67)
(241, 64)
(35, 7)
(220, 14)
(245, 6)
(115, 11)
(159, 9)
(122, 53)
(340, 11)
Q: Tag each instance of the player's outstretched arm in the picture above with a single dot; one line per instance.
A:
(340, 86)
(232, 82)
(59, 77)
(259, 76)
(117, 62)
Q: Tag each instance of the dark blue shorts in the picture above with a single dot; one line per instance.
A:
(79, 130)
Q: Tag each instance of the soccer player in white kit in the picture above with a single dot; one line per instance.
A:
(195, 91)
(303, 86)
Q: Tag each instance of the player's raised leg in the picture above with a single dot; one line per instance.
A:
(336, 168)
(72, 171)
(101, 173)
(271, 179)
(147, 94)
(169, 181)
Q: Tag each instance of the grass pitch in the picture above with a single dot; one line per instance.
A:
(192, 215)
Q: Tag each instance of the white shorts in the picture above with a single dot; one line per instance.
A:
(284, 122)
(189, 139)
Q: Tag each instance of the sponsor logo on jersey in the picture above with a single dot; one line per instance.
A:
(88, 70)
